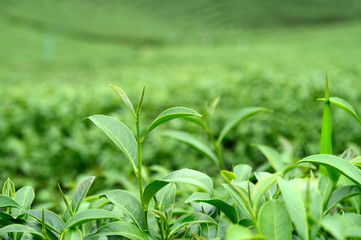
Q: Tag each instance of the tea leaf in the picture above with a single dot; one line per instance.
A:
(151, 189)
(273, 157)
(125, 98)
(8, 202)
(339, 164)
(80, 192)
(89, 215)
(24, 196)
(242, 172)
(71, 234)
(194, 143)
(190, 219)
(124, 229)
(9, 188)
(261, 188)
(224, 207)
(19, 228)
(274, 221)
(238, 200)
(129, 204)
(191, 177)
(238, 232)
(334, 225)
(228, 176)
(340, 194)
(295, 207)
(239, 117)
(52, 221)
(169, 114)
(120, 135)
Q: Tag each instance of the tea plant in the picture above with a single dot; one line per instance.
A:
(296, 201)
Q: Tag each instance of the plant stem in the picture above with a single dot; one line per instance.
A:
(140, 179)
(216, 146)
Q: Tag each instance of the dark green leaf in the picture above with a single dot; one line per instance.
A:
(128, 230)
(151, 189)
(8, 202)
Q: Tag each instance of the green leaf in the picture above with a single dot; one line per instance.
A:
(124, 229)
(343, 104)
(242, 172)
(72, 234)
(19, 228)
(238, 232)
(120, 135)
(295, 207)
(240, 116)
(129, 204)
(261, 188)
(274, 221)
(9, 188)
(325, 186)
(190, 219)
(343, 166)
(80, 192)
(52, 221)
(228, 176)
(354, 233)
(193, 177)
(352, 220)
(140, 104)
(125, 98)
(169, 114)
(89, 215)
(151, 189)
(24, 196)
(342, 193)
(193, 143)
(334, 225)
(224, 207)
(240, 201)
(273, 157)
(8, 202)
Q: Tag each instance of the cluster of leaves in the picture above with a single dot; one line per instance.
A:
(295, 201)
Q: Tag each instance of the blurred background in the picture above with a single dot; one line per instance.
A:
(57, 58)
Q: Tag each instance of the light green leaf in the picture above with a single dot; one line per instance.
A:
(24, 196)
(72, 234)
(9, 188)
(120, 135)
(8, 202)
(80, 192)
(274, 221)
(129, 204)
(325, 186)
(171, 113)
(193, 177)
(193, 143)
(52, 221)
(190, 219)
(339, 164)
(124, 229)
(152, 189)
(261, 188)
(228, 176)
(273, 157)
(334, 225)
(89, 215)
(19, 228)
(240, 201)
(224, 207)
(240, 116)
(354, 233)
(238, 232)
(340, 194)
(125, 98)
(242, 172)
(352, 220)
(295, 207)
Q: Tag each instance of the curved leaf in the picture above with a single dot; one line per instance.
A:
(171, 113)
(129, 204)
(334, 225)
(242, 172)
(193, 143)
(342, 193)
(191, 177)
(89, 215)
(25, 196)
(120, 135)
(343, 166)
(80, 192)
(190, 219)
(240, 116)
(71, 234)
(128, 230)
(52, 221)
(241, 207)
(8, 202)
(295, 207)
(238, 232)
(274, 221)
(273, 157)
(19, 228)
(224, 207)
(151, 189)
(125, 98)
(261, 188)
